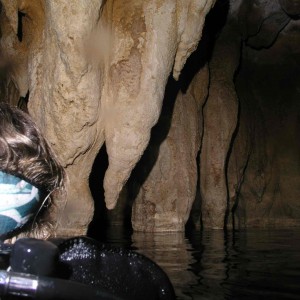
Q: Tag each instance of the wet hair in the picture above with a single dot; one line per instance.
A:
(25, 153)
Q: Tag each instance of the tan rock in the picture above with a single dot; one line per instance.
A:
(82, 93)
(166, 197)
(147, 35)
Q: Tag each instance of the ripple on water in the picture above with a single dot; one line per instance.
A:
(252, 264)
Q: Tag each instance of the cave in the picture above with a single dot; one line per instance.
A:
(260, 165)
(218, 147)
(177, 124)
(172, 119)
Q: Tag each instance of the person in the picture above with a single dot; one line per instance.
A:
(73, 268)
(29, 170)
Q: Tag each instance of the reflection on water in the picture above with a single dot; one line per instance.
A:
(173, 253)
(253, 264)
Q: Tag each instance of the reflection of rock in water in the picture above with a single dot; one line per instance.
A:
(214, 269)
(172, 252)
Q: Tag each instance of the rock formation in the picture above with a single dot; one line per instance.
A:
(165, 197)
(269, 124)
(98, 72)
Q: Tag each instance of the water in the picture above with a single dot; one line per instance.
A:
(252, 264)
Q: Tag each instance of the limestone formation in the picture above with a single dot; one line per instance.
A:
(269, 193)
(220, 122)
(148, 37)
(165, 197)
(99, 72)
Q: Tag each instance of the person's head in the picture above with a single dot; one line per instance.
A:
(25, 159)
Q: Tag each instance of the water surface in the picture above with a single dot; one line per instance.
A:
(252, 264)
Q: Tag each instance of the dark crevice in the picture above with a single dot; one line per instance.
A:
(238, 190)
(233, 138)
(23, 102)
(195, 214)
(21, 15)
(100, 221)
(215, 21)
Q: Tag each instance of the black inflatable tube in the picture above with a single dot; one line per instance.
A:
(40, 287)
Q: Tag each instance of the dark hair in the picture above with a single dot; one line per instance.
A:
(25, 153)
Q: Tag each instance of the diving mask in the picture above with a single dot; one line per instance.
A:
(19, 200)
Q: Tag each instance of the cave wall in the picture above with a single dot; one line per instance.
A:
(220, 122)
(165, 198)
(96, 72)
(100, 73)
(248, 172)
(268, 89)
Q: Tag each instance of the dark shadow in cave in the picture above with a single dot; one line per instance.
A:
(214, 22)
(97, 227)
(23, 102)
(21, 15)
